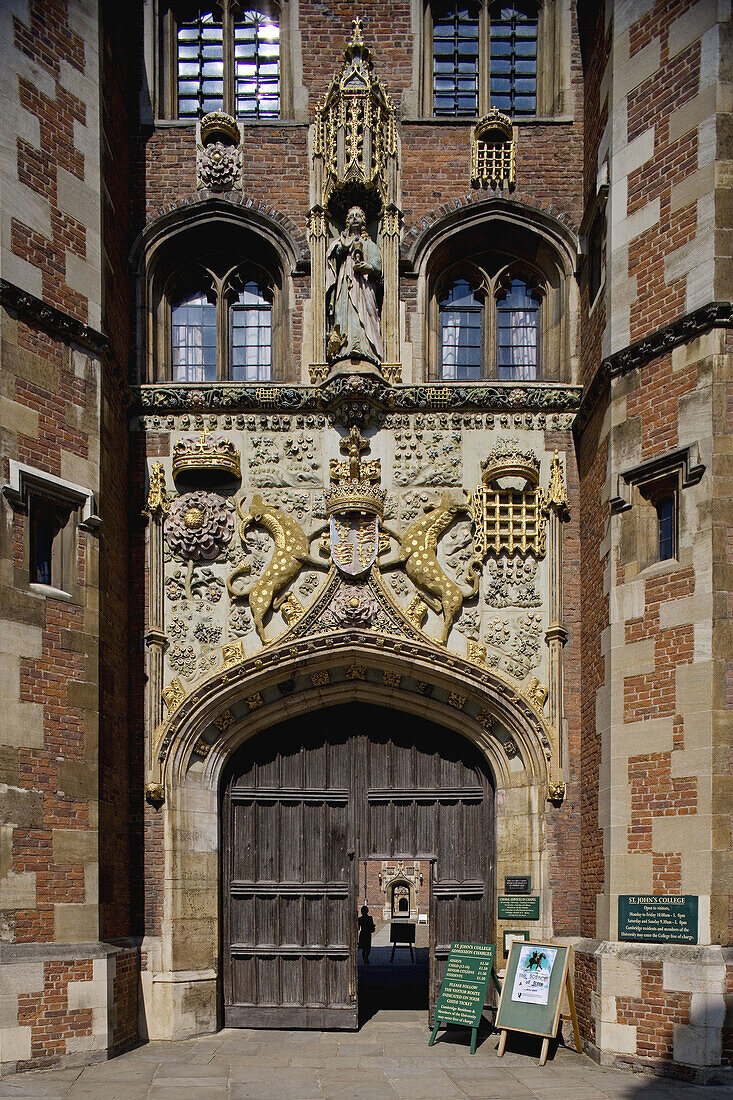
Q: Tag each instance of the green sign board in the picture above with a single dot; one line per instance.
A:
(519, 907)
(463, 990)
(668, 918)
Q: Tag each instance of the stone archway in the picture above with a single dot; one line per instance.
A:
(250, 695)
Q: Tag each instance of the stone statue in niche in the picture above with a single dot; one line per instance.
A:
(353, 293)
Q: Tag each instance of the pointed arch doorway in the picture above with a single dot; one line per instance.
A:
(303, 803)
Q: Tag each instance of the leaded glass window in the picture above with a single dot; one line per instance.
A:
(200, 69)
(256, 66)
(517, 334)
(513, 67)
(455, 59)
(193, 342)
(251, 335)
(228, 60)
(461, 334)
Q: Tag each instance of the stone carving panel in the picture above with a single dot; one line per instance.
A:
(291, 460)
(514, 644)
(427, 457)
(510, 582)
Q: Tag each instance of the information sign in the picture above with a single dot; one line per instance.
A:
(518, 907)
(536, 977)
(517, 884)
(668, 918)
(463, 990)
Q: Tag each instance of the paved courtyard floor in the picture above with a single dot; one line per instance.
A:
(388, 1057)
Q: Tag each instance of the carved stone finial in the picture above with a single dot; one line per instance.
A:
(157, 501)
(354, 445)
(556, 495)
(356, 38)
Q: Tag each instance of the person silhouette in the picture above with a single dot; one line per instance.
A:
(366, 929)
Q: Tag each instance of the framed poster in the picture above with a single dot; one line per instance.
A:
(531, 996)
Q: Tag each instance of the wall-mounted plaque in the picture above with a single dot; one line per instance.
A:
(668, 918)
(518, 907)
(517, 884)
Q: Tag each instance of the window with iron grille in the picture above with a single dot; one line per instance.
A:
(513, 63)
(228, 60)
(456, 59)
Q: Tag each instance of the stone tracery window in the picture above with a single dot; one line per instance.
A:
(489, 325)
(221, 325)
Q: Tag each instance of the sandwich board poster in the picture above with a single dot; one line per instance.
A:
(531, 996)
(533, 973)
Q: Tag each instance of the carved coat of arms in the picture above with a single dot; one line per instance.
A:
(354, 504)
(354, 542)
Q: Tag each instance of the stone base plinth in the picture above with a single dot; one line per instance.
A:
(657, 1007)
(67, 1004)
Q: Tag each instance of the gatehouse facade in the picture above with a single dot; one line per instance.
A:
(365, 451)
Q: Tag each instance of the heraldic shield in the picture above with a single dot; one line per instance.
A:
(354, 542)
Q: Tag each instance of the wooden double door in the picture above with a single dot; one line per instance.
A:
(303, 804)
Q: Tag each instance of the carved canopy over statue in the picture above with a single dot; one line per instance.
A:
(353, 293)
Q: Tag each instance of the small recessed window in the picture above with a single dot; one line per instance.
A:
(596, 256)
(52, 543)
(665, 527)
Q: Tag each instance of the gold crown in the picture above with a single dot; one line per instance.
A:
(207, 453)
(506, 460)
(355, 496)
(219, 126)
(494, 125)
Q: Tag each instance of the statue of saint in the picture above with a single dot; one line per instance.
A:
(353, 290)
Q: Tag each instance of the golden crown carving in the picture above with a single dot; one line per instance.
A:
(214, 453)
(219, 126)
(506, 460)
(354, 484)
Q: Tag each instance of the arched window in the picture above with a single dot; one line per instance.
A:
(193, 338)
(517, 333)
(220, 322)
(488, 321)
(250, 321)
(221, 57)
(461, 333)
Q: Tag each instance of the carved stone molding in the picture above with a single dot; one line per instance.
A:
(51, 319)
(662, 340)
(360, 398)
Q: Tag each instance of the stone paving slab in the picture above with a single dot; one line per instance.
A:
(388, 1059)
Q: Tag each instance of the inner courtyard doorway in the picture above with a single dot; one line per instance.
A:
(304, 804)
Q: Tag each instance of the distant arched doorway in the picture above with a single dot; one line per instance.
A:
(400, 899)
(303, 803)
